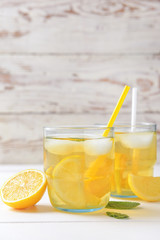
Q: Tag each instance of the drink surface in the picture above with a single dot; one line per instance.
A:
(135, 152)
(78, 171)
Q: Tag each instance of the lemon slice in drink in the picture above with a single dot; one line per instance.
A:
(24, 189)
(98, 176)
(68, 181)
(146, 188)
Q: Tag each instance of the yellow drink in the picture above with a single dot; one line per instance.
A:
(78, 171)
(135, 152)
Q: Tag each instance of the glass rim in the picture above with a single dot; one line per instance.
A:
(128, 125)
(79, 127)
(137, 125)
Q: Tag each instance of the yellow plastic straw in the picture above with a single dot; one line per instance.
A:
(117, 109)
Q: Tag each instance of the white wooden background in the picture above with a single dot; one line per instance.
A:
(66, 62)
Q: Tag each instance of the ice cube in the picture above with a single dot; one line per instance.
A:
(63, 147)
(135, 140)
(98, 146)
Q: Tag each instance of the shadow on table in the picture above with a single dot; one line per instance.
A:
(39, 208)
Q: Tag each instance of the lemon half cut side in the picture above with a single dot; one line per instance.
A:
(24, 189)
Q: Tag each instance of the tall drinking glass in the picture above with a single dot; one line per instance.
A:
(135, 152)
(78, 162)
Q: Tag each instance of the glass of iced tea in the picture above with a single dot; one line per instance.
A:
(135, 152)
(78, 162)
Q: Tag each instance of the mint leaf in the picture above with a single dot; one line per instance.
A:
(122, 205)
(117, 215)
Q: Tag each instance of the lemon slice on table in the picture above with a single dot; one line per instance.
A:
(146, 188)
(68, 181)
(24, 189)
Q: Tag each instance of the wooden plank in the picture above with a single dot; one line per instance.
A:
(77, 84)
(74, 26)
(21, 135)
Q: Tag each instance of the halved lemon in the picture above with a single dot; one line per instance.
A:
(146, 188)
(24, 189)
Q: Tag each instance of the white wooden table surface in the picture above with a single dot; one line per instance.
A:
(44, 222)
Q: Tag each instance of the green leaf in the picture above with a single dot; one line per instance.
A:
(117, 215)
(122, 205)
